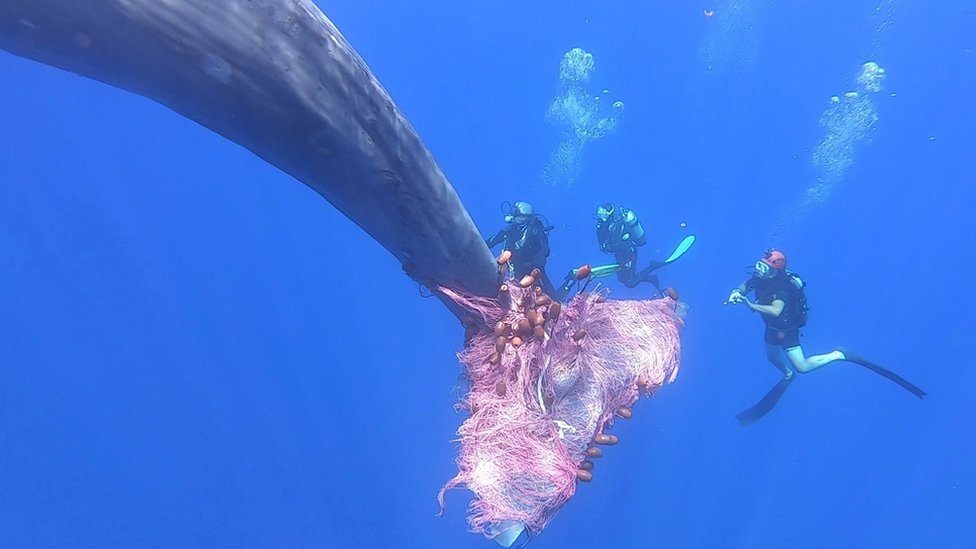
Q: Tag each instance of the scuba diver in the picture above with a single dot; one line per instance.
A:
(782, 304)
(527, 237)
(619, 232)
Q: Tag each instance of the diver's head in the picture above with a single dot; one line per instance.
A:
(771, 264)
(520, 213)
(604, 212)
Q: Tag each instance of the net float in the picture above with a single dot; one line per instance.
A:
(504, 257)
(608, 440)
(500, 344)
(554, 311)
(500, 388)
(534, 318)
(504, 296)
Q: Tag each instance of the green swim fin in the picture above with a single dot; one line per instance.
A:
(683, 247)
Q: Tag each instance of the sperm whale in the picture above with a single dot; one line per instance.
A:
(278, 78)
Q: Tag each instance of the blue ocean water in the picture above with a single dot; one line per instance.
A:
(198, 351)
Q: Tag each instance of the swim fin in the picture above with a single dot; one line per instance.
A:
(683, 247)
(767, 403)
(604, 270)
(851, 356)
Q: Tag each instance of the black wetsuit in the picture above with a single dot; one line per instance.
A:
(781, 330)
(529, 244)
(610, 234)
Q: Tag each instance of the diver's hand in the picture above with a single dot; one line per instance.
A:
(735, 297)
(740, 298)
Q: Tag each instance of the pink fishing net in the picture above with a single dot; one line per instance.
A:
(543, 383)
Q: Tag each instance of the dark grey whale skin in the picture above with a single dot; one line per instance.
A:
(276, 77)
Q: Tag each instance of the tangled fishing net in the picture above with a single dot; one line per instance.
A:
(544, 381)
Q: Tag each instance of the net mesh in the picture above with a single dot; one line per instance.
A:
(544, 379)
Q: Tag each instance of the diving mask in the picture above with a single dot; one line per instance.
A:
(604, 212)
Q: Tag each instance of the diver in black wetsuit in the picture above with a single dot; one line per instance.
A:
(618, 231)
(527, 237)
(781, 301)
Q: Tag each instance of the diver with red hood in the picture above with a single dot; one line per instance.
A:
(781, 302)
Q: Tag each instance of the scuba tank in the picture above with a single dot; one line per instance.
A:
(801, 309)
(633, 227)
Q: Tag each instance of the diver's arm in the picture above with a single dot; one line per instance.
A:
(496, 240)
(774, 309)
(738, 293)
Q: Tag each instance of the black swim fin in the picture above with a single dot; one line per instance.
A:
(851, 356)
(767, 403)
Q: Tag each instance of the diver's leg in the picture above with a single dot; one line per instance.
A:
(628, 268)
(628, 277)
(655, 265)
(644, 275)
(652, 278)
(774, 353)
(807, 364)
(647, 274)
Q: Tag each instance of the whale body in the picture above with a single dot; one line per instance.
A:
(277, 77)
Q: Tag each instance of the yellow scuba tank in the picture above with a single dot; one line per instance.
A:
(633, 227)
